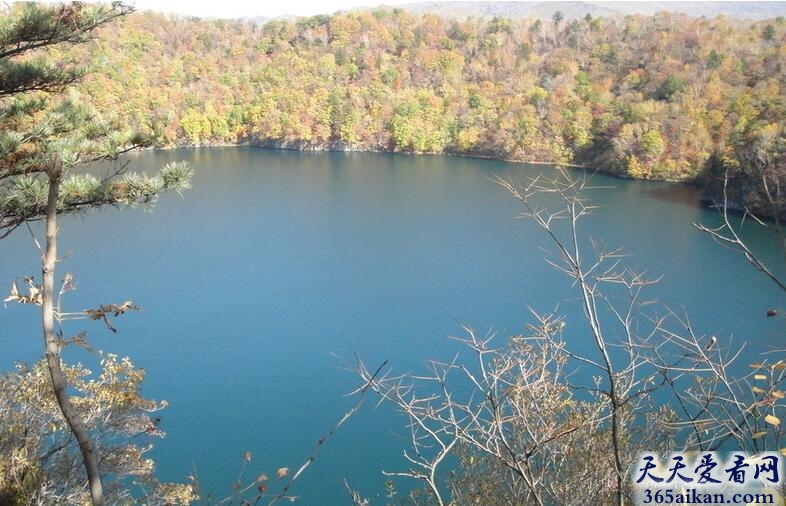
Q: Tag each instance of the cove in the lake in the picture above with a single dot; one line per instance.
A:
(278, 261)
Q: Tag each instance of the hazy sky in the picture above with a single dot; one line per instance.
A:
(266, 8)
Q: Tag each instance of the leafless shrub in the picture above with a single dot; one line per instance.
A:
(543, 419)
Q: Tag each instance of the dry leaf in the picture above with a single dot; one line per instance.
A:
(68, 282)
(81, 340)
(116, 309)
(282, 473)
(14, 293)
(34, 296)
(772, 419)
(759, 377)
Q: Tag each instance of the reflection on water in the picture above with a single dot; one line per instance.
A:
(673, 192)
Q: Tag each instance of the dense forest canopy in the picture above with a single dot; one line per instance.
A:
(659, 97)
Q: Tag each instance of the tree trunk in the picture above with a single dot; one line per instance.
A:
(52, 340)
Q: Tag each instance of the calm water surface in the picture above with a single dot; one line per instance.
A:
(277, 261)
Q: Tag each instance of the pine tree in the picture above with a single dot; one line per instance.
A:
(33, 136)
(37, 127)
(28, 27)
(45, 133)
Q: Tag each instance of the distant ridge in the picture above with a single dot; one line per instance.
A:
(575, 10)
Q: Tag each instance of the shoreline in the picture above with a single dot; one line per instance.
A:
(305, 148)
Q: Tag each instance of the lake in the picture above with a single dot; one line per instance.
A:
(278, 262)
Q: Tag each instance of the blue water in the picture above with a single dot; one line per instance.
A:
(277, 261)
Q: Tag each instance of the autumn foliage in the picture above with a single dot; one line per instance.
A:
(662, 97)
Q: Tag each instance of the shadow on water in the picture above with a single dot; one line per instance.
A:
(677, 193)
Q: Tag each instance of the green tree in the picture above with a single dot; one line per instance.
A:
(652, 143)
(557, 17)
(43, 138)
(671, 86)
(35, 127)
(768, 33)
(31, 27)
(715, 59)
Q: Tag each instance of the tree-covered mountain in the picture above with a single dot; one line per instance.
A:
(663, 97)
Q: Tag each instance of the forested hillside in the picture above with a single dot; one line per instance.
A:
(661, 97)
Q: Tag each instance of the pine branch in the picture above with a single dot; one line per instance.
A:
(39, 26)
(27, 200)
